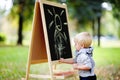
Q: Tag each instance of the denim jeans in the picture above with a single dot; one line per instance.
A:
(89, 78)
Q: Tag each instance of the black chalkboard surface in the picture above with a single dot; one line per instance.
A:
(57, 31)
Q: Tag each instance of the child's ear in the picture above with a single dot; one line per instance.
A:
(82, 45)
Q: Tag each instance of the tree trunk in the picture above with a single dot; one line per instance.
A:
(20, 36)
(20, 29)
(99, 31)
(93, 27)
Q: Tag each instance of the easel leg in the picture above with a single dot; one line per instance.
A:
(27, 71)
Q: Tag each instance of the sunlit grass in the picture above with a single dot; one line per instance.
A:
(13, 61)
(107, 56)
(107, 63)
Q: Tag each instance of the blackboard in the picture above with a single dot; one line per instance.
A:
(57, 31)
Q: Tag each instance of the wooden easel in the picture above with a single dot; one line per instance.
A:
(39, 50)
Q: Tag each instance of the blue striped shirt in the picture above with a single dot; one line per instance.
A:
(84, 57)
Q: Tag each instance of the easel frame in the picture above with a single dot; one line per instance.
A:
(43, 43)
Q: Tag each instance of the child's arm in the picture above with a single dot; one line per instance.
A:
(68, 61)
(81, 67)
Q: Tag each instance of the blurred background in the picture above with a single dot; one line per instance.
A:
(101, 18)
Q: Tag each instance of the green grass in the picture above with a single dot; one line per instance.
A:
(107, 56)
(107, 63)
(13, 62)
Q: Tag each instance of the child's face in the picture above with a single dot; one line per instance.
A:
(78, 46)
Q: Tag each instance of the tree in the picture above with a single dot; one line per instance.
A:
(86, 11)
(116, 11)
(24, 10)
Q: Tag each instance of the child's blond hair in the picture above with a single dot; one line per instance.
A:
(83, 38)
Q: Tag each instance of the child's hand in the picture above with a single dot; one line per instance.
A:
(61, 60)
(75, 66)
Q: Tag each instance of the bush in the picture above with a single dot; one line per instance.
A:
(2, 37)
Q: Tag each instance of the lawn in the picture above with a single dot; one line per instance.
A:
(13, 62)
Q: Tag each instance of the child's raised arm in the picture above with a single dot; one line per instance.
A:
(68, 61)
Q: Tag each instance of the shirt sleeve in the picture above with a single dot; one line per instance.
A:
(84, 59)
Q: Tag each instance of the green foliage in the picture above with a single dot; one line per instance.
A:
(116, 12)
(84, 11)
(2, 37)
(27, 10)
(116, 8)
